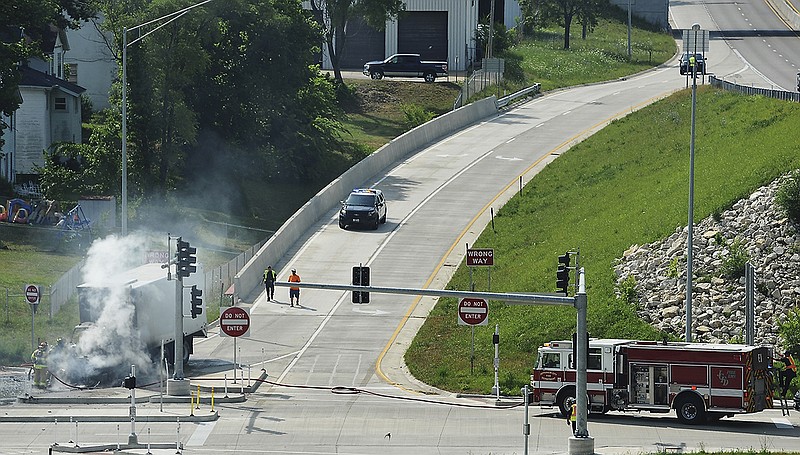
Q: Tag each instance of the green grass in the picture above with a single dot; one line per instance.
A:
(374, 119)
(378, 116)
(627, 184)
(602, 56)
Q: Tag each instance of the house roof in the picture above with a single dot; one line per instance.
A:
(34, 78)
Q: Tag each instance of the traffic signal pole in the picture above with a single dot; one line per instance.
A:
(580, 443)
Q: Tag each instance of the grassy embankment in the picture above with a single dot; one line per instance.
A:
(627, 184)
(30, 256)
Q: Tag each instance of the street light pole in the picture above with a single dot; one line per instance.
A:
(124, 223)
(629, 30)
(695, 29)
(171, 17)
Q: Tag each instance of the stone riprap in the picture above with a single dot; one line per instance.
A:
(718, 303)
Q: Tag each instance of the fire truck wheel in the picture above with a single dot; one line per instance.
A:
(565, 400)
(690, 410)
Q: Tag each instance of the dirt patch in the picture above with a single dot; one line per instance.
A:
(385, 97)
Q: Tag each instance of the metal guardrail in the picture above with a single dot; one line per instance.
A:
(743, 89)
(504, 101)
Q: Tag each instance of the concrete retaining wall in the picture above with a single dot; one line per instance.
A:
(248, 280)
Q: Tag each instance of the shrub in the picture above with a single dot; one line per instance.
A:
(788, 196)
(416, 115)
(789, 330)
(733, 264)
(627, 290)
(672, 270)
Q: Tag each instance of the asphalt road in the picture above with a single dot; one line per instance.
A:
(439, 199)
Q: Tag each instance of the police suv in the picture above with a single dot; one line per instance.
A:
(363, 207)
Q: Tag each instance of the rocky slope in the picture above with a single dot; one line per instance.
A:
(756, 226)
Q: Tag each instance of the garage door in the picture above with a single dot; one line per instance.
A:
(424, 33)
(363, 44)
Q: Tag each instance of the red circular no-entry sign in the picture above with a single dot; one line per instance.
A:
(473, 312)
(32, 294)
(234, 321)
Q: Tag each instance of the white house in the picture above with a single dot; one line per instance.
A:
(50, 112)
(91, 63)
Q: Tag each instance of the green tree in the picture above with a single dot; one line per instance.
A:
(22, 26)
(789, 329)
(564, 11)
(334, 16)
(264, 96)
(788, 196)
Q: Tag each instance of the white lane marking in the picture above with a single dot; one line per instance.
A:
(386, 241)
(501, 157)
(334, 370)
(782, 423)
(203, 431)
(358, 370)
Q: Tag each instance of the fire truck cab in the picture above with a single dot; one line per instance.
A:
(700, 381)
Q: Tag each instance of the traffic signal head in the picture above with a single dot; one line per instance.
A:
(129, 382)
(564, 259)
(562, 279)
(186, 259)
(360, 278)
(197, 302)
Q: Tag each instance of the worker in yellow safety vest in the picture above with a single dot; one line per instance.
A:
(572, 418)
(39, 359)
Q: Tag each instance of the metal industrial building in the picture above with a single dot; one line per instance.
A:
(445, 30)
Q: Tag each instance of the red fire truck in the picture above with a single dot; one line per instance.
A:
(700, 381)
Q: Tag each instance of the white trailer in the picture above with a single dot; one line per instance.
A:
(146, 292)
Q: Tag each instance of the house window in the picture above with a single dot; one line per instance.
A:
(60, 104)
(71, 72)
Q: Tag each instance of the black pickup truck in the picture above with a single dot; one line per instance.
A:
(405, 65)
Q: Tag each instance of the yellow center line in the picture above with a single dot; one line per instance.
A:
(378, 369)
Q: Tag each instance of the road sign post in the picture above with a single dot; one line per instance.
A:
(32, 295)
(234, 322)
(480, 257)
(473, 312)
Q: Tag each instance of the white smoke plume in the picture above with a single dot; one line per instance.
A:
(105, 350)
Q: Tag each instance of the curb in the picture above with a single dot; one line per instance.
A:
(110, 419)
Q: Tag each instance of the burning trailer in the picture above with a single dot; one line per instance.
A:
(124, 320)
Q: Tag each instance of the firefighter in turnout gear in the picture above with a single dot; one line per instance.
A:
(39, 359)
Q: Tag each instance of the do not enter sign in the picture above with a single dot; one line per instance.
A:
(473, 312)
(234, 322)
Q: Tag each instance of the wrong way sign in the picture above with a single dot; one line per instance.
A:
(473, 312)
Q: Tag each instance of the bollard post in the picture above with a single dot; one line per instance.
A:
(55, 432)
(178, 437)
(226, 385)
(148, 442)
(248, 377)
(197, 404)
(76, 433)
(191, 403)
(117, 436)
(212, 399)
